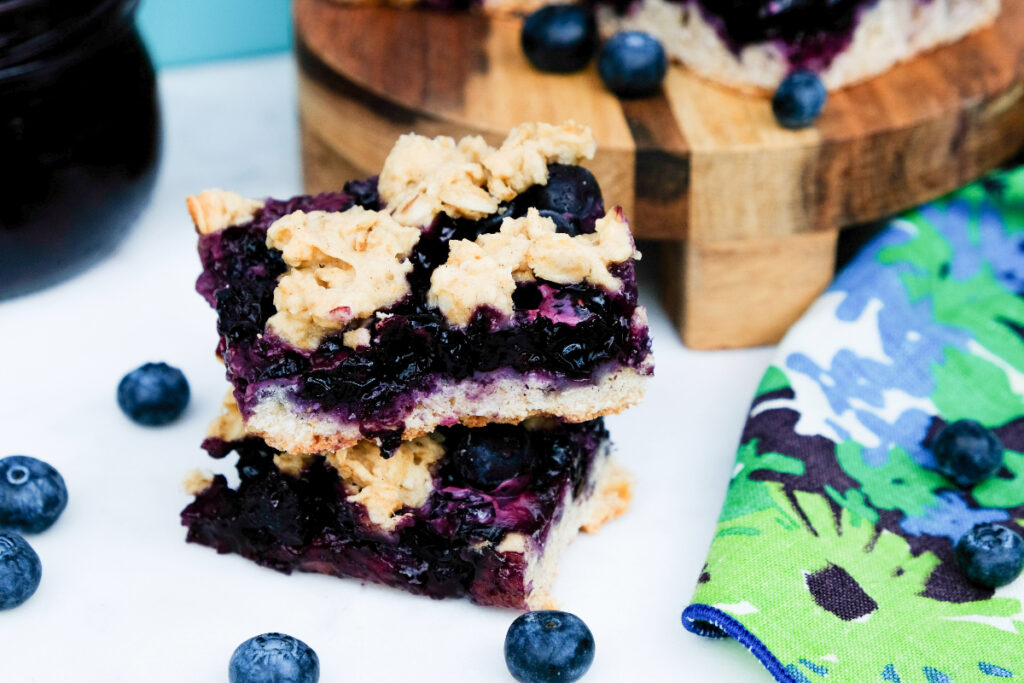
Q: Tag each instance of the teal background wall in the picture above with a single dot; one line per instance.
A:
(189, 31)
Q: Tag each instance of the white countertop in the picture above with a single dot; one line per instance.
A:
(123, 598)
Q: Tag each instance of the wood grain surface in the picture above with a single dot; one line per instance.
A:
(702, 167)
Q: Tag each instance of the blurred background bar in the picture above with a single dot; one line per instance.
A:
(189, 31)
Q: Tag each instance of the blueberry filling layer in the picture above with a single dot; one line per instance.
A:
(492, 481)
(811, 33)
(563, 331)
(745, 22)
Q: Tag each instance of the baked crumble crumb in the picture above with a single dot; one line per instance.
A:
(228, 425)
(197, 481)
(215, 210)
(293, 464)
(512, 543)
(356, 339)
(385, 485)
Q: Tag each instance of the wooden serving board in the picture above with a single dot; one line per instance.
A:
(749, 213)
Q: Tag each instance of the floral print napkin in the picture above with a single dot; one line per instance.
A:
(833, 556)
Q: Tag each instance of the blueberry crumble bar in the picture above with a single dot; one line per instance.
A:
(479, 512)
(466, 284)
(754, 44)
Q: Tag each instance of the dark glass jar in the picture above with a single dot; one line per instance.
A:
(79, 135)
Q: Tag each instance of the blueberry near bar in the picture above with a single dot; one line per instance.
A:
(465, 284)
(482, 512)
(755, 44)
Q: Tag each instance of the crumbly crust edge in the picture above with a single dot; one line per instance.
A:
(609, 498)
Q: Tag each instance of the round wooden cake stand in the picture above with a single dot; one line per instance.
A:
(749, 212)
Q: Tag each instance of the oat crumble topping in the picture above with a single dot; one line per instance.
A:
(342, 267)
(384, 486)
(484, 272)
(423, 177)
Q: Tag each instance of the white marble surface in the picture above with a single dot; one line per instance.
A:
(123, 598)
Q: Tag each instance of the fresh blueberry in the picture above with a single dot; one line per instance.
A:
(570, 189)
(990, 554)
(491, 456)
(559, 38)
(967, 453)
(571, 194)
(799, 100)
(548, 646)
(274, 658)
(154, 394)
(20, 570)
(32, 494)
(632, 64)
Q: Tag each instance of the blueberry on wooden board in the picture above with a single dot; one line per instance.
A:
(559, 38)
(799, 99)
(632, 64)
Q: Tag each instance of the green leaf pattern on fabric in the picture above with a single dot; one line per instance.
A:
(834, 547)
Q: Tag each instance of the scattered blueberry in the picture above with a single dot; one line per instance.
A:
(967, 452)
(20, 570)
(274, 658)
(990, 554)
(632, 64)
(559, 38)
(491, 456)
(32, 494)
(547, 646)
(154, 394)
(799, 100)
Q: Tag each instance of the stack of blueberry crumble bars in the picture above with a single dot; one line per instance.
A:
(420, 365)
